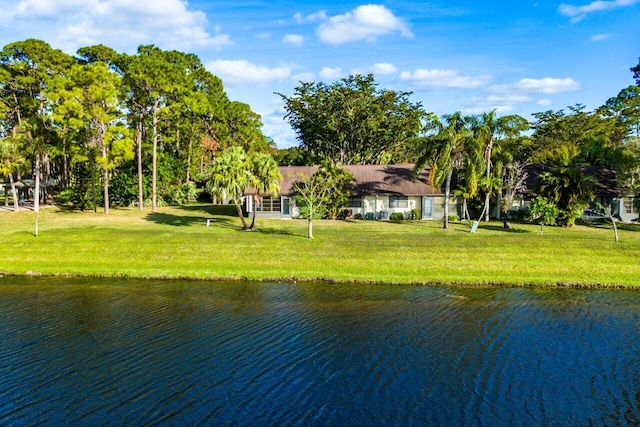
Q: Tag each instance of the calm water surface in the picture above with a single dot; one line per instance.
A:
(95, 352)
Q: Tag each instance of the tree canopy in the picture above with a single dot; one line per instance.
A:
(140, 126)
(352, 121)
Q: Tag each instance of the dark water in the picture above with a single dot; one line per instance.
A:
(81, 352)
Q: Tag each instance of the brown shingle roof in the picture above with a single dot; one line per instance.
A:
(369, 179)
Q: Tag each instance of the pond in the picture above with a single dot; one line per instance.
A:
(93, 351)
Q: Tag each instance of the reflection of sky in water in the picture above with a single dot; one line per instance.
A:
(91, 351)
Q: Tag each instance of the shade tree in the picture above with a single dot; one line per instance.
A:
(351, 121)
(28, 69)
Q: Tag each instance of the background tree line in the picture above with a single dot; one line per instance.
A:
(110, 128)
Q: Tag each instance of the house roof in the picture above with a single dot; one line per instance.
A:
(605, 177)
(369, 179)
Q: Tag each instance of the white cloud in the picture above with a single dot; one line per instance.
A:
(546, 85)
(243, 72)
(600, 37)
(365, 22)
(293, 40)
(49, 9)
(578, 13)
(499, 109)
(318, 16)
(443, 78)
(544, 102)
(330, 73)
(122, 24)
(384, 68)
(304, 77)
(503, 104)
(508, 99)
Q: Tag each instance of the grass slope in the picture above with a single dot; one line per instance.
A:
(175, 243)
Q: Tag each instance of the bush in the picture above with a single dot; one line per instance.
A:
(358, 216)
(396, 216)
(181, 194)
(345, 214)
(453, 218)
(415, 214)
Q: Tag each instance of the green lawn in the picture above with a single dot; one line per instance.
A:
(175, 242)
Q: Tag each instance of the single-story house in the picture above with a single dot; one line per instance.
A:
(377, 192)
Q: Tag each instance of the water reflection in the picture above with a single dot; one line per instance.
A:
(147, 352)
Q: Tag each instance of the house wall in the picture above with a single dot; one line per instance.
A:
(626, 209)
(455, 207)
(372, 207)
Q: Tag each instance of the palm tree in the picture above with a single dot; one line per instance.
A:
(485, 128)
(450, 147)
(569, 189)
(230, 177)
(265, 179)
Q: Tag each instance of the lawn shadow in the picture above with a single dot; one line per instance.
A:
(608, 226)
(207, 215)
(186, 220)
(272, 231)
(502, 229)
(216, 210)
(493, 228)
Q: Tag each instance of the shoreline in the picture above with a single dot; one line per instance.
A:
(296, 280)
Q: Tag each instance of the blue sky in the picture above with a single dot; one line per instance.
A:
(518, 57)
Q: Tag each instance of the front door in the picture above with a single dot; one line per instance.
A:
(286, 209)
(427, 207)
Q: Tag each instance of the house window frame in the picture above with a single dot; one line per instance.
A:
(398, 202)
(269, 204)
(354, 202)
(628, 206)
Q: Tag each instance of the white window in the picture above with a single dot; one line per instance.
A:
(628, 205)
(398, 202)
(269, 204)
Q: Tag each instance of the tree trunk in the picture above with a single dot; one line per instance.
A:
(16, 206)
(486, 198)
(253, 216)
(615, 228)
(464, 208)
(447, 196)
(36, 196)
(105, 179)
(189, 162)
(154, 159)
(486, 207)
(239, 209)
(310, 228)
(65, 165)
(92, 162)
(139, 147)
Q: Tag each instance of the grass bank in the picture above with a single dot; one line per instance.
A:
(176, 243)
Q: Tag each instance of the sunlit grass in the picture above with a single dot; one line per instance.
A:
(175, 242)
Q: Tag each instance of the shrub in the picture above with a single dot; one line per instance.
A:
(396, 216)
(358, 216)
(453, 218)
(181, 194)
(415, 214)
